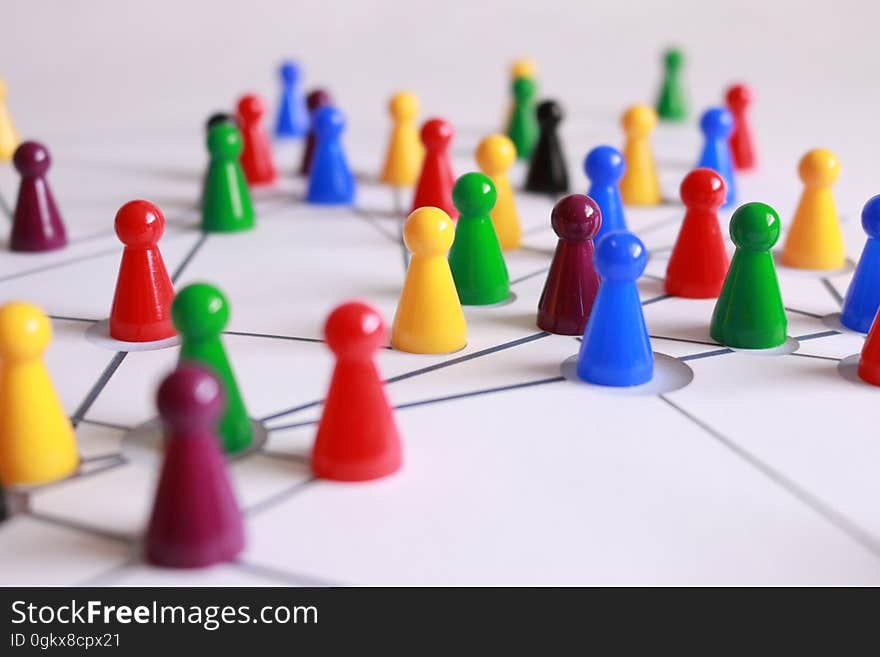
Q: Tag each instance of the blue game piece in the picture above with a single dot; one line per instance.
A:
(863, 295)
(293, 116)
(604, 167)
(330, 180)
(717, 124)
(616, 350)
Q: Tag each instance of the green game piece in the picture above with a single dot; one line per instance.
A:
(749, 312)
(672, 103)
(226, 201)
(523, 128)
(475, 257)
(200, 312)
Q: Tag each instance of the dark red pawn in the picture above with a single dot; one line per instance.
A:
(314, 101)
(434, 187)
(195, 521)
(572, 281)
(357, 437)
(36, 223)
(742, 148)
(141, 309)
(699, 260)
(256, 152)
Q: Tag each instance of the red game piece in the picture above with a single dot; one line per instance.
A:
(195, 521)
(699, 260)
(572, 281)
(256, 153)
(357, 437)
(742, 149)
(314, 101)
(141, 309)
(435, 183)
(36, 223)
(869, 360)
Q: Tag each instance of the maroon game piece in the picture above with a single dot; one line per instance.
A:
(141, 309)
(256, 152)
(357, 438)
(435, 183)
(314, 101)
(572, 281)
(195, 520)
(742, 148)
(36, 223)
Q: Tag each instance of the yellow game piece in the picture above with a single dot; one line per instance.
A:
(495, 155)
(814, 240)
(639, 185)
(37, 444)
(403, 160)
(8, 136)
(429, 319)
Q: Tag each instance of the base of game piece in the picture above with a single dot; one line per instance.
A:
(99, 335)
(833, 322)
(144, 442)
(788, 347)
(848, 267)
(670, 374)
(848, 368)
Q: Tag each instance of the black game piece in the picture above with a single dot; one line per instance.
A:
(548, 172)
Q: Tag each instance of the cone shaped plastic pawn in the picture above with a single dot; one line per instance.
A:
(314, 101)
(717, 124)
(36, 221)
(9, 139)
(548, 170)
(475, 258)
(200, 313)
(604, 167)
(519, 68)
(357, 437)
(749, 313)
(863, 295)
(616, 350)
(293, 116)
(672, 100)
(434, 186)
(429, 318)
(404, 155)
(37, 443)
(639, 184)
(572, 281)
(742, 147)
(330, 179)
(195, 521)
(523, 126)
(226, 200)
(256, 153)
(495, 155)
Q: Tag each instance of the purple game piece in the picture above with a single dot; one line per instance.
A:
(195, 520)
(36, 224)
(314, 101)
(572, 281)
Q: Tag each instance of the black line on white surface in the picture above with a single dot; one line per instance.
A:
(277, 498)
(815, 336)
(189, 256)
(368, 216)
(666, 337)
(273, 574)
(106, 425)
(4, 207)
(96, 389)
(287, 456)
(705, 354)
(528, 276)
(272, 336)
(648, 302)
(67, 523)
(825, 510)
(102, 457)
(62, 318)
(803, 312)
(800, 355)
(832, 291)
(110, 575)
(58, 265)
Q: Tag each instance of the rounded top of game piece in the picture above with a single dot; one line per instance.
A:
(251, 107)
(576, 218)
(738, 96)
(871, 217)
(673, 58)
(404, 106)
(523, 89)
(328, 122)
(428, 231)
(25, 331)
(604, 165)
(716, 123)
(139, 223)
(549, 113)
(31, 158)
(819, 168)
(290, 71)
(216, 118)
(199, 311)
(437, 134)
(495, 154)
(639, 120)
(703, 189)
(354, 330)
(523, 68)
(620, 256)
(317, 98)
(754, 227)
(224, 140)
(190, 397)
(474, 194)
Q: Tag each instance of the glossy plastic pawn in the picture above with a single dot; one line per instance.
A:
(742, 147)
(548, 171)
(495, 155)
(316, 99)
(434, 187)
(616, 350)
(195, 520)
(36, 221)
(226, 200)
(672, 100)
(403, 157)
(293, 117)
(639, 184)
(862, 298)
(717, 125)
(256, 153)
(523, 126)
(330, 180)
(604, 167)
(141, 310)
(572, 281)
(9, 139)
(357, 437)
(869, 359)
(699, 262)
